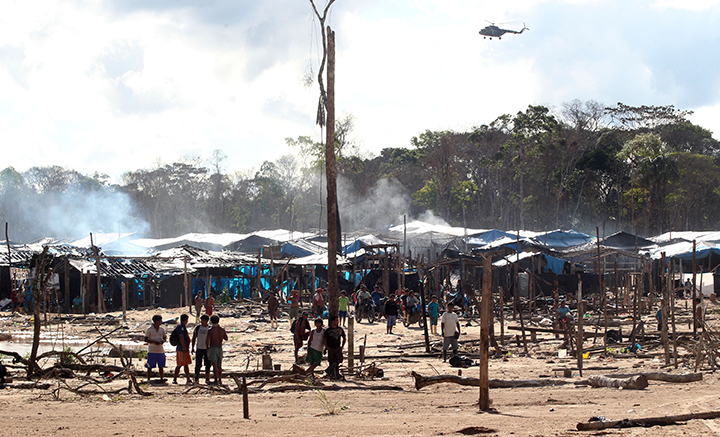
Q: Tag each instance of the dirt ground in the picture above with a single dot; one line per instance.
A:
(441, 409)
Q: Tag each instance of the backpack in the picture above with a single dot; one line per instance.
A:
(175, 337)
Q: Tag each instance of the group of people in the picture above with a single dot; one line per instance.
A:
(206, 343)
(208, 304)
(320, 341)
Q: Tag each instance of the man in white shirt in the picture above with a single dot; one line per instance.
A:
(155, 337)
(450, 328)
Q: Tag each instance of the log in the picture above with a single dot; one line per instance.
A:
(665, 377)
(334, 387)
(638, 382)
(29, 385)
(424, 381)
(646, 422)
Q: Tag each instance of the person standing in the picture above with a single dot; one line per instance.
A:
(335, 341)
(391, 313)
(318, 303)
(300, 329)
(273, 306)
(198, 306)
(216, 336)
(77, 304)
(433, 309)
(200, 335)
(209, 304)
(182, 350)
(450, 327)
(699, 314)
(343, 303)
(294, 299)
(316, 346)
(155, 337)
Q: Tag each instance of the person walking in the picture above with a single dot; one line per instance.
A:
(450, 328)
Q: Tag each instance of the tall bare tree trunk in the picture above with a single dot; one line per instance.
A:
(333, 216)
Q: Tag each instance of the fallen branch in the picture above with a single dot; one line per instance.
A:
(646, 422)
(665, 377)
(424, 381)
(637, 382)
(333, 387)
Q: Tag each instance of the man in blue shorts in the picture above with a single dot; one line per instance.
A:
(434, 311)
(155, 337)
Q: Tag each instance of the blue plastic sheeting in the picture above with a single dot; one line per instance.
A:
(290, 249)
(699, 253)
(488, 237)
(564, 239)
(555, 265)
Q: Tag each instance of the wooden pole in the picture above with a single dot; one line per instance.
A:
(9, 257)
(333, 215)
(187, 285)
(502, 315)
(351, 343)
(672, 306)
(485, 321)
(258, 273)
(580, 334)
(665, 311)
(124, 287)
(423, 301)
(96, 251)
(68, 304)
(246, 402)
(556, 304)
(694, 288)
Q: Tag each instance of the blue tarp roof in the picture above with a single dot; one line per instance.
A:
(488, 237)
(563, 239)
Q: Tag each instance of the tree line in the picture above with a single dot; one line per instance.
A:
(644, 169)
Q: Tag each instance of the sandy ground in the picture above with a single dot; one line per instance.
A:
(442, 409)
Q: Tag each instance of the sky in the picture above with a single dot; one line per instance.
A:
(111, 86)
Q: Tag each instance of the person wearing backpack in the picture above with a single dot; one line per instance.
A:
(182, 348)
(155, 337)
(200, 335)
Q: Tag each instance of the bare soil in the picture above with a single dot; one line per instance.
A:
(443, 409)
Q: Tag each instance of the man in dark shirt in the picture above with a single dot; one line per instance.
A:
(335, 338)
(183, 350)
(391, 312)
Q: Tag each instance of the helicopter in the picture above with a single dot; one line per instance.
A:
(492, 31)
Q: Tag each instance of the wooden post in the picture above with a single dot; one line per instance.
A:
(68, 303)
(580, 333)
(258, 274)
(502, 315)
(96, 251)
(9, 257)
(246, 403)
(665, 310)
(486, 320)
(694, 289)
(616, 289)
(673, 293)
(124, 287)
(351, 343)
(187, 286)
(333, 215)
(423, 301)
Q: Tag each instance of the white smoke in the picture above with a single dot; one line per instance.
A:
(73, 215)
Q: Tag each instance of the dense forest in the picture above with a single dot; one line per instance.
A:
(642, 169)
